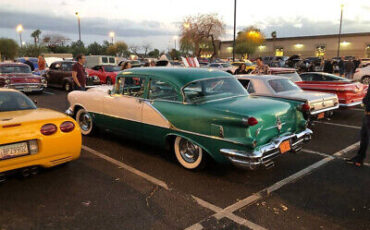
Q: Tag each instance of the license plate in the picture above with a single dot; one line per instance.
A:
(285, 147)
(26, 89)
(13, 150)
(320, 115)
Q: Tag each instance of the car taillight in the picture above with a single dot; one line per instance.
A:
(251, 121)
(67, 126)
(305, 107)
(48, 129)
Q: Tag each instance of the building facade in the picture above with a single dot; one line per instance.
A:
(354, 44)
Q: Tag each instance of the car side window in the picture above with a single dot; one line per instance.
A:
(214, 65)
(306, 77)
(67, 66)
(162, 90)
(96, 68)
(131, 86)
(317, 77)
(57, 66)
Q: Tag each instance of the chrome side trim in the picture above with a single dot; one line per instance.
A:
(324, 110)
(351, 104)
(263, 155)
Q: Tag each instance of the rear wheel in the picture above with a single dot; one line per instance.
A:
(85, 122)
(188, 154)
(108, 81)
(365, 80)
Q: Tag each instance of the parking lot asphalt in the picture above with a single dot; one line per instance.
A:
(123, 184)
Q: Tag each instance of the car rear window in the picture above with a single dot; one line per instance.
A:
(13, 101)
(15, 69)
(283, 85)
(293, 76)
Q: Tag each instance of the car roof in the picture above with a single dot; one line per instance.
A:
(280, 69)
(8, 90)
(12, 64)
(260, 77)
(179, 76)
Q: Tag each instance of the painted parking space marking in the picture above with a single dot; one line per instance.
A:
(50, 93)
(341, 125)
(127, 167)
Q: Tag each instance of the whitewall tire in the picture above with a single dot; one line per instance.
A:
(188, 154)
(85, 121)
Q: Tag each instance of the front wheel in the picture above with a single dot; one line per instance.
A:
(188, 154)
(366, 80)
(67, 87)
(108, 81)
(85, 122)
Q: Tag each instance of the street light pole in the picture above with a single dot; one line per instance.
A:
(79, 26)
(20, 30)
(340, 28)
(112, 34)
(175, 41)
(234, 30)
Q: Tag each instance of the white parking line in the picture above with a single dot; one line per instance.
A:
(341, 125)
(127, 167)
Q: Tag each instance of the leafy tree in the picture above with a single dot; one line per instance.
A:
(95, 49)
(121, 48)
(36, 36)
(248, 41)
(78, 48)
(199, 29)
(30, 50)
(111, 50)
(175, 54)
(105, 46)
(8, 49)
(154, 53)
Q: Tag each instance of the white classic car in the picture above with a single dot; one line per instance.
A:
(319, 105)
(222, 66)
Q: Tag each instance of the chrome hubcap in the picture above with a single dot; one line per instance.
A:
(366, 80)
(85, 121)
(189, 152)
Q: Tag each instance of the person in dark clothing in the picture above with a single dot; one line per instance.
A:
(241, 69)
(29, 63)
(358, 160)
(79, 74)
(311, 67)
(341, 66)
(348, 69)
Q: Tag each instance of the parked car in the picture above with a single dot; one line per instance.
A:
(293, 61)
(19, 76)
(222, 66)
(196, 112)
(60, 75)
(362, 74)
(317, 104)
(290, 73)
(349, 93)
(106, 73)
(94, 60)
(134, 63)
(31, 137)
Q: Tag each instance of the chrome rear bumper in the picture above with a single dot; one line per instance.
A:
(351, 104)
(324, 110)
(267, 152)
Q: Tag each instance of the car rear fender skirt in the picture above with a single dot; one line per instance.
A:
(170, 138)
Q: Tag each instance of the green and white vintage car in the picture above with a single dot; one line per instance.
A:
(196, 112)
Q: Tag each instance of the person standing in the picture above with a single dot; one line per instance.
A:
(348, 68)
(241, 69)
(358, 160)
(341, 66)
(126, 65)
(79, 74)
(42, 64)
(29, 63)
(261, 68)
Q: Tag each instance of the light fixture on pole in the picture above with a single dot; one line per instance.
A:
(79, 25)
(175, 40)
(20, 30)
(234, 30)
(111, 35)
(340, 27)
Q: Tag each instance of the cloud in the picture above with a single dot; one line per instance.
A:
(89, 26)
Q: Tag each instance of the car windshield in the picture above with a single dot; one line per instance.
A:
(283, 85)
(112, 68)
(226, 65)
(332, 77)
(135, 63)
(13, 101)
(211, 89)
(15, 69)
(293, 76)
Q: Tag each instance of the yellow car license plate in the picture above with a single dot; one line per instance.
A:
(285, 147)
(13, 150)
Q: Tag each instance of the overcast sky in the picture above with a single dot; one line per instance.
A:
(157, 22)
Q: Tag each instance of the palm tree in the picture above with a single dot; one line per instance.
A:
(36, 36)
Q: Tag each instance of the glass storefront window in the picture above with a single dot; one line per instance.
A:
(368, 51)
(279, 52)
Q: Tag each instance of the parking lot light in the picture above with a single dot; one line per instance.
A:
(111, 35)
(20, 30)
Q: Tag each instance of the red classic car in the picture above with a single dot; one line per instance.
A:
(106, 73)
(19, 76)
(349, 93)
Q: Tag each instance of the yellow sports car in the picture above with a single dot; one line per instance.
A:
(32, 137)
(249, 65)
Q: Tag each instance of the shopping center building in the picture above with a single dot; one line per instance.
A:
(352, 44)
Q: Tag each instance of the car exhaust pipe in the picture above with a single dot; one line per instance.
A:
(34, 170)
(26, 172)
(2, 178)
